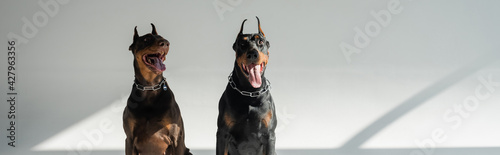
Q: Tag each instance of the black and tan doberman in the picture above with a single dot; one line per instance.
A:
(247, 119)
(152, 119)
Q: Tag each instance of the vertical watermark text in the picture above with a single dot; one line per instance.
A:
(11, 92)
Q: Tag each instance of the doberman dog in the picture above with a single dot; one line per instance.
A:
(247, 120)
(152, 120)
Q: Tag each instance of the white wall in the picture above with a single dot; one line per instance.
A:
(345, 77)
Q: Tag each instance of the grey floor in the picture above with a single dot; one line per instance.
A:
(442, 151)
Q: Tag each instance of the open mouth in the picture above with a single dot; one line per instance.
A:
(155, 61)
(253, 73)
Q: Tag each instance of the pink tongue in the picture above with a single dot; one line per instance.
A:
(254, 75)
(158, 64)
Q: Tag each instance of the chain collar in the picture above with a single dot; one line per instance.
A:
(247, 93)
(153, 88)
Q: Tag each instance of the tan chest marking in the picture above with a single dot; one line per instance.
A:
(267, 118)
(228, 120)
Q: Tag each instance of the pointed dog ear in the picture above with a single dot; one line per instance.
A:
(154, 29)
(136, 36)
(239, 34)
(135, 33)
(241, 29)
(260, 29)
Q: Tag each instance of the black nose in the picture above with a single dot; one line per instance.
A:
(252, 55)
(163, 42)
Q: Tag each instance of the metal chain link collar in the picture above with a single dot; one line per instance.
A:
(247, 93)
(153, 88)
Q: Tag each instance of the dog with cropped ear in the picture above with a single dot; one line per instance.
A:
(152, 119)
(247, 117)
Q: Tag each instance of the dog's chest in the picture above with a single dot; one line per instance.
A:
(251, 121)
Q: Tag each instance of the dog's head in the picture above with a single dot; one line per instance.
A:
(149, 51)
(252, 55)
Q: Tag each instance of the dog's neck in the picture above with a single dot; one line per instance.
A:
(146, 90)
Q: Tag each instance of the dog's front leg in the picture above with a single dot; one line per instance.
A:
(129, 146)
(270, 150)
(222, 140)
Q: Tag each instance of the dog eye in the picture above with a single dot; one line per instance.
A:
(145, 39)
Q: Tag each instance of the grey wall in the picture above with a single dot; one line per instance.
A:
(348, 77)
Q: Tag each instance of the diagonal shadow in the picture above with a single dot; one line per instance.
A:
(418, 99)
